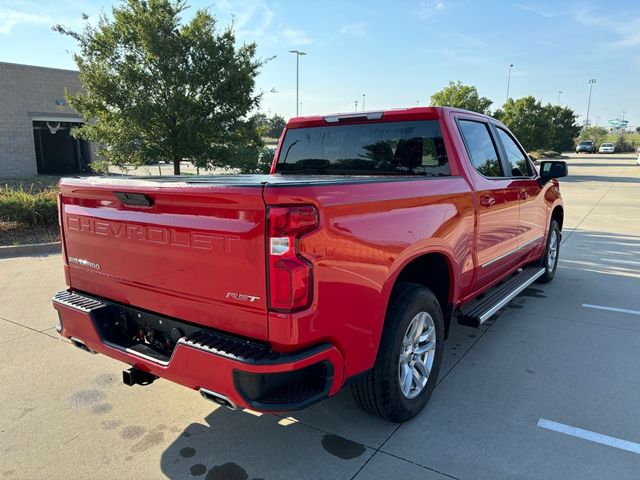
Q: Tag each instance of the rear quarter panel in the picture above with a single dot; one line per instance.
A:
(368, 233)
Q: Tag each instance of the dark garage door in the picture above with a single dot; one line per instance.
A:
(57, 152)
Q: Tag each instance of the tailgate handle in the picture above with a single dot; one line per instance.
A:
(134, 199)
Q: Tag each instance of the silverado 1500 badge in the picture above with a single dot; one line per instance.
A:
(84, 262)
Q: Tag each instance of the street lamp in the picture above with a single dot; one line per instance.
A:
(363, 95)
(591, 82)
(355, 103)
(509, 80)
(560, 92)
(298, 54)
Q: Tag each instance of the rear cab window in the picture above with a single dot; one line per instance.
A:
(410, 148)
(481, 149)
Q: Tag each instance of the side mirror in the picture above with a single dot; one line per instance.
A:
(553, 169)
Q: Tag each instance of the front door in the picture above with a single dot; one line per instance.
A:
(533, 208)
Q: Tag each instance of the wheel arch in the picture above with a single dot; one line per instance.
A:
(558, 215)
(433, 270)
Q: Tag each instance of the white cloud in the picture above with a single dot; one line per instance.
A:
(251, 18)
(295, 37)
(12, 18)
(359, 29)
(254, 20)
(627, 32)
(539, 11)
(430, 8)
(24, 13)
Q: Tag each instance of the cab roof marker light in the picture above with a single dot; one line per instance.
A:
(351, 116)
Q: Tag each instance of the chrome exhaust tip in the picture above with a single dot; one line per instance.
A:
(81, 345)
(217, 398)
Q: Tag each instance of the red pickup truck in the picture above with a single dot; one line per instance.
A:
(344, 266)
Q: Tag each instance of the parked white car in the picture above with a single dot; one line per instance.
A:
(607, 148)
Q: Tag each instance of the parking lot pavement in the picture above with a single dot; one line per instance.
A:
(549, 388)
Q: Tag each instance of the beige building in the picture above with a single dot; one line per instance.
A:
(35, 122)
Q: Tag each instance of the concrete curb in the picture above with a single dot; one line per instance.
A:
(31, 249)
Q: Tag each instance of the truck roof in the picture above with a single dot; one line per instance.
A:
(389, 115)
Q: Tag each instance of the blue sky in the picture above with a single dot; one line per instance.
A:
(398, 53)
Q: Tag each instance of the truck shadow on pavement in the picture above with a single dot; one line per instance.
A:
(245, 445)
(331, 439)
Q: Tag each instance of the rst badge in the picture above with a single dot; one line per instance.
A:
(242, 297)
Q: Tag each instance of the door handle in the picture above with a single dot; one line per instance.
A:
(487, 201)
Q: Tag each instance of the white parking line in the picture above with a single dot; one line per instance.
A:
(629, 262)
(611, 309)
(589, 435)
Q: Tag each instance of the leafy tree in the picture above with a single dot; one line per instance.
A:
(637, 129)
(564, 127)
(262, 122)
(277, 124)
(269, 127)
(156, 88)
(527, 119)
(461, 96)
(592, 132)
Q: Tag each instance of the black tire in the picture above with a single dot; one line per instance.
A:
(550, 270)
(379, 391)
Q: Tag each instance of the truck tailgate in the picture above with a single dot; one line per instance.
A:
(194, 252)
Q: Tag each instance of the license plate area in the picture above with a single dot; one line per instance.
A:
(140, 332)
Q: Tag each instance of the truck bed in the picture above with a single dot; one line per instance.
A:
(255, 180)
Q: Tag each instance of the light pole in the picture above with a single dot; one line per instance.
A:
(363, 95)
(591, 82)
(509, 80)
(298, 54)
(560, 92)
(355, 103)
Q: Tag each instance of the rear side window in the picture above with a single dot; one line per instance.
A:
(517, 159)
(481, 148)
(389, 148)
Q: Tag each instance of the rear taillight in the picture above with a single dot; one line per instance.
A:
(61, 227)
(290, 275)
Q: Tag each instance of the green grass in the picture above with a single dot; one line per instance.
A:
(36, 184)
(29, 202)
(631, 138)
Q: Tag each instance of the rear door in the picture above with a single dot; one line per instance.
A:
(533, 209)
(192, 252)
(498, 229)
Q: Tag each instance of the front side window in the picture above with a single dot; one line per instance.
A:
(517, 159)
(480, 147)
(385, 148)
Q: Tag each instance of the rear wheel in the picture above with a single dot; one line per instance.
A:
(408, 362)
(549, 259)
